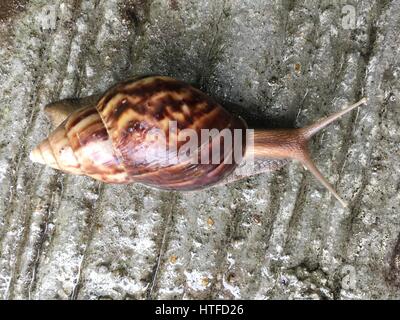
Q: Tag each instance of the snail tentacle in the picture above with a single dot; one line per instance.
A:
(293, 144)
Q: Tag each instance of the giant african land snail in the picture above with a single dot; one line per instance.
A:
(108, 138)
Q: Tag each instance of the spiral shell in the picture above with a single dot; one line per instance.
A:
(112, 140)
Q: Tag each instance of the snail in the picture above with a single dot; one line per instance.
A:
(125, 136)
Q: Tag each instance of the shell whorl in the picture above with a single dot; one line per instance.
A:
(111, 141)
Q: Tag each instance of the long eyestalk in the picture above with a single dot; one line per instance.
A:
(293, 144)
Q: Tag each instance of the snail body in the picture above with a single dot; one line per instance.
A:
(125, 136)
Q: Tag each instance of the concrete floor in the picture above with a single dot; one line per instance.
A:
(272, 236)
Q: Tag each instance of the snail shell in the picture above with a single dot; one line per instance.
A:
(112, 141)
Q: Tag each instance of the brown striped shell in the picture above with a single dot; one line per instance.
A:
(112, 141)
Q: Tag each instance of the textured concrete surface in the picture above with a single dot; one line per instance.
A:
(277, 235)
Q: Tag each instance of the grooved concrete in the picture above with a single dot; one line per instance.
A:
(276, 235)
